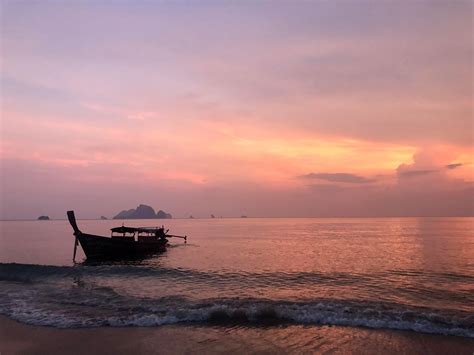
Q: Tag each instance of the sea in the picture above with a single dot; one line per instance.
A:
(285, 276)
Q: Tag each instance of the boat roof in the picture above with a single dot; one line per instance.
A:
(124, 229)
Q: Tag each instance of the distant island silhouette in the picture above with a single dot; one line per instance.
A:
(43, 218)
(142, 212)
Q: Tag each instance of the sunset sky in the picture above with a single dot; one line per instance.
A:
(262, 108)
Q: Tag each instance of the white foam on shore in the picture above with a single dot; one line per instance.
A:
(54, 296)
(25, 308)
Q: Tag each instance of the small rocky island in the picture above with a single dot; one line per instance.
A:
(142, 212)
(43, 218)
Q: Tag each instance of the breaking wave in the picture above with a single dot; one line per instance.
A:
(44, 295)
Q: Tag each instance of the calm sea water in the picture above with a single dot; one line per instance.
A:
(415, 274)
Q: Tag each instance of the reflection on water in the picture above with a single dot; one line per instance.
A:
(445, 243)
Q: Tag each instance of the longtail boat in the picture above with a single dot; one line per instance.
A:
(124, 242)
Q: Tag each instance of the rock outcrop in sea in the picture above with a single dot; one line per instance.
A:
(163, 214)
(43, 218)
(142, 212)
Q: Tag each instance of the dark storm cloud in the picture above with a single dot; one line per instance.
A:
(338, 177)
(453, 166)
(413, 173)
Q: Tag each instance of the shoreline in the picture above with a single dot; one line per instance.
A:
(20, 338)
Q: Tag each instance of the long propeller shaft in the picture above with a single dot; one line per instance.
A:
(75, 249)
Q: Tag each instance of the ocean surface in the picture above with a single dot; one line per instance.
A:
(412, 274)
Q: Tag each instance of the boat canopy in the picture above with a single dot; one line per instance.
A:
(124, 229)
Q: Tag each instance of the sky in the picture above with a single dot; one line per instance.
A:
(259, 108)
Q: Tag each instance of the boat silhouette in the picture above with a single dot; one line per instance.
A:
(124, 242)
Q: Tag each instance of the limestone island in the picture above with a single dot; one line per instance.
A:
(143, 212)
(43, 218)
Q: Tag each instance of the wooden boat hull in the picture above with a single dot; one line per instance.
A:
(99, 247)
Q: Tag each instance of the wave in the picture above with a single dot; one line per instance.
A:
(34, 272)
(58, 296)
(230, 312)
(64, 305)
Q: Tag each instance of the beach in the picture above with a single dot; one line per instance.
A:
(18, 338)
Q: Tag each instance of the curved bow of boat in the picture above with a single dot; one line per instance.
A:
(72, 220)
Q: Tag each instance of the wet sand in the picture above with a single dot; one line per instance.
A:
(18, 338)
